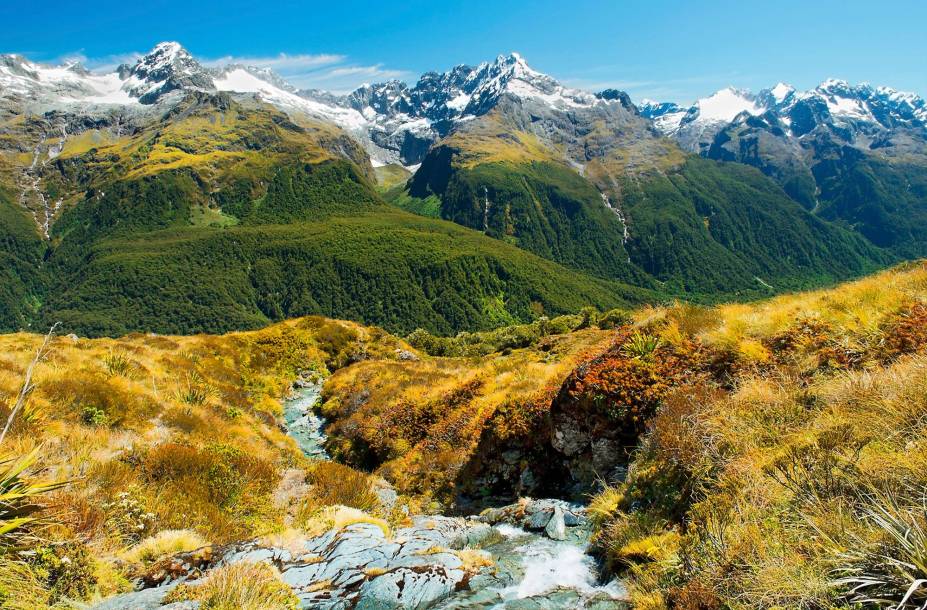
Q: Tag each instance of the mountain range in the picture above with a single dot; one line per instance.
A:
(175, 197)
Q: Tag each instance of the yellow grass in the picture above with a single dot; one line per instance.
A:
(489, 142)
(340, 517)
(410, 404)
(163, 544)
(164, 433)
(785, 459)
(239, 586)
(855, 308)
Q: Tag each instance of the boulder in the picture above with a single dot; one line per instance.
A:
(556, 528)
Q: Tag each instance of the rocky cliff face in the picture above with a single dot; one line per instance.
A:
(593, 423)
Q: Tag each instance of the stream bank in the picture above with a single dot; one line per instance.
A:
(527, 555)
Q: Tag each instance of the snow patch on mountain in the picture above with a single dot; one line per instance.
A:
(20, 78)
(241, 80)
(833, 102)
(725, 105)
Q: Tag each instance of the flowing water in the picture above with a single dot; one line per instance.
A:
(303, 424)
(531, 570)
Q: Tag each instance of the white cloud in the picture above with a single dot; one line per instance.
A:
(331, 72)
(105, 63)
(346, 78)
(280, 63)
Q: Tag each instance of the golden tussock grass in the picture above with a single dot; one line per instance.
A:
(421, 420)
(770, 478)
(239, 586)
(169, 443)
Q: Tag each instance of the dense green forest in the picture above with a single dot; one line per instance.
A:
(129, 258)
(543, 207)
(21, 252)
(885, 202)
(714, 227)
(704, 230)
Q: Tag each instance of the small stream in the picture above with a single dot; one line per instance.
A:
(531, 570)
(303, 424)
(535, 572)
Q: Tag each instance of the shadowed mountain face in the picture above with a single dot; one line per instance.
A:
(176, 197)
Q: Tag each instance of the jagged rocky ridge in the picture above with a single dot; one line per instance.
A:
(858, 110)
(398, 122)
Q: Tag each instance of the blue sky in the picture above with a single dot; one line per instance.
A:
(669, 50)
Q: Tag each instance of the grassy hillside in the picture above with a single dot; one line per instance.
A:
(681, 213)
(776, 453)
(790, 472)
(167, 444)
(774, 457)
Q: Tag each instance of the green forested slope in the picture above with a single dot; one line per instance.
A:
(885, 201)
(130, 259)
(706, 229)
(715, 227)
(540, 206)
(21, 251)
(391, 268)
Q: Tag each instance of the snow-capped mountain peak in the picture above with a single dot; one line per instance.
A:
(166, 68)
(781, 92)
(724, 106)
(834, 102)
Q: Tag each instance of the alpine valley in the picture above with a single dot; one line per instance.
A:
(477, 342)
(172, 197)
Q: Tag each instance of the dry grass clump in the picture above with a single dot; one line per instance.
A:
(239, 586)
(334, 484)
(163, 544)
(794, 479)
(319, 521)
(157, 434)
(474, 560)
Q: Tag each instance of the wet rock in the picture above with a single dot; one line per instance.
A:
(538, 520)
(416, 588)
(556, 528)
(537, 515)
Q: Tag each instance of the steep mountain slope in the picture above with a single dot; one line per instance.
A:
(588, 183)
(21, 251)
(239, 174)
(856, 155)
(193, 209)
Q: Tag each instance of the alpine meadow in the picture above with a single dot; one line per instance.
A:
(288, 323)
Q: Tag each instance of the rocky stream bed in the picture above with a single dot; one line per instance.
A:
(532, 555)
